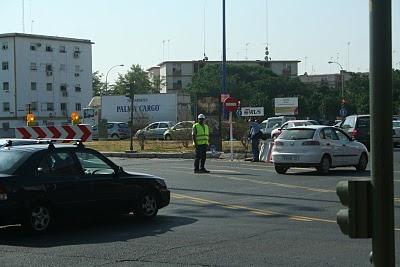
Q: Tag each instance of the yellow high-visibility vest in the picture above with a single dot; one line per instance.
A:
(202, 133)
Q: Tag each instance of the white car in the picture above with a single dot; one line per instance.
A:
(319, 146)
(290, 124)
(396, 133)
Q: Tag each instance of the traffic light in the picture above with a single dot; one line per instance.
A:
(30, 119)
(356, 220)
(75, 118)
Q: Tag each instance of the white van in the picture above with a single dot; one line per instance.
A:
(274, 122)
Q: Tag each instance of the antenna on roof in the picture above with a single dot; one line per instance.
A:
(23, 16)
(205, 58)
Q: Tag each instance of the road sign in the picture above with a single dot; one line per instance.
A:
(80, 131)
(252, 111)
(231, 104)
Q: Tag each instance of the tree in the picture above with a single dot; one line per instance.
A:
(97, 84)
(135, 81)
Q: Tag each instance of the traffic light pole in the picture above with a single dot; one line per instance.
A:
(383, 245)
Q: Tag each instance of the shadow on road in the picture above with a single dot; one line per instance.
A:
(332, 173)
(93, 231)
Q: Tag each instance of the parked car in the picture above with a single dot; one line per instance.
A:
(357, 126)
(154, 130)
(180, 131)
(290, 124)
(396, 133)
(318, 146)
(269, 124)
(115, 130)
(41, 183)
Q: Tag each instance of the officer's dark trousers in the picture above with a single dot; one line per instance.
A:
(200, 156)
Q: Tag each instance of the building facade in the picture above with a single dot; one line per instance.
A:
(176, 75)
(329, 80)
(48, 76)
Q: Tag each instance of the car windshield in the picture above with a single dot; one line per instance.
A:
(123, 125)
(10, 160)
(297, 134)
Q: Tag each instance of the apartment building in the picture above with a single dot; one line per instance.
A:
(176, 75)
(49, 76)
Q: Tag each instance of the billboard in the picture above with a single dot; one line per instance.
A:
(252, 111)
(146, 108)
(286, 106)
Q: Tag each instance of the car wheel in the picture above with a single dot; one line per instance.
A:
(281, 169)
(324, 165)
(39, 218)
(115, 137)
(362, 162)
(147, 207)
(167, 137)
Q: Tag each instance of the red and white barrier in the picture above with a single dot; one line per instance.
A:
(82, 132)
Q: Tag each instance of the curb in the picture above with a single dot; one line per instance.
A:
(155, 155)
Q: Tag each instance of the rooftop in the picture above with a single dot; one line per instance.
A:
(36, 36)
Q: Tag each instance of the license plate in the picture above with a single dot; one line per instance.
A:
(291, 158)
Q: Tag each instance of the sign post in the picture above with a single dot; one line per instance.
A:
(231, 104)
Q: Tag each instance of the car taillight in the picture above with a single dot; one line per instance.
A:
(278, 143)
(3, 192)
(311, 143)
(354, 133)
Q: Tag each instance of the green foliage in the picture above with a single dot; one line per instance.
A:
(135, 81)
(97, 84)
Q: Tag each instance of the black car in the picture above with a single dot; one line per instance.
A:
(357, 126)
(43, 182)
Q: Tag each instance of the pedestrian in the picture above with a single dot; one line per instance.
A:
(254, 135)
(200, 134)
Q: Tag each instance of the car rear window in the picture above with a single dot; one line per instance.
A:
(297, 134)
(123, 125)
(350, 122)
(10, 160)
(363, 122)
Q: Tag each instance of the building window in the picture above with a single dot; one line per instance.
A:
(62, 67)
(4, 46)
(6, 106)
(4, 65)
(34, 106)
(78, 106)
(33, 86)
(6, 86)
(63, 87)
(50, 106)
(33, 47)
(49, 86)
(63, 106)
(49, 48)
(49, 70)
(76, 52)
(78, 88)
(62, 49)
(33, 66)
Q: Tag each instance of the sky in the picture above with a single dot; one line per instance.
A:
(147, 32)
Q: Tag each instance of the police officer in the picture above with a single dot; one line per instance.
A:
(200, 133)
(255, 138)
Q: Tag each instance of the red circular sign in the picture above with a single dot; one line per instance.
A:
(231, 104)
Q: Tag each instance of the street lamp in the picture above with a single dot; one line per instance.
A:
(106, 84)
(341, 72)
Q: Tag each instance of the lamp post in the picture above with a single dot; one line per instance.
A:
(106, 84)
(342, 74)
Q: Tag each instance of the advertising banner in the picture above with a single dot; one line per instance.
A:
(252, 111)
(286, 106)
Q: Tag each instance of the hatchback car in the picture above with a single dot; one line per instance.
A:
(43, 182)
(357, 126)
(322, 147)
(180, 131)
(115, 130)
(290, 124)
(154, 130)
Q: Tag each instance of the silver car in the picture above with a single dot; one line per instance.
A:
(115, 130)
(322, 147)
(154, 130)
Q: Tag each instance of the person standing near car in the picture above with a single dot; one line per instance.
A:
(200, 134)
(254, 135)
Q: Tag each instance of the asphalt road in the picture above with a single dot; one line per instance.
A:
(242, 214)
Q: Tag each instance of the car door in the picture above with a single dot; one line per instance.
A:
(58, 174)
(105, 186)
(162, 127)
(350, 153)
(330, 144)
(151, 131)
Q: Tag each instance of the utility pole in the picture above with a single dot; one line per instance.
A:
(383, 244)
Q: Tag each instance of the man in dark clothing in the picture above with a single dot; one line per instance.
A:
(200, 134)
(255, 139)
